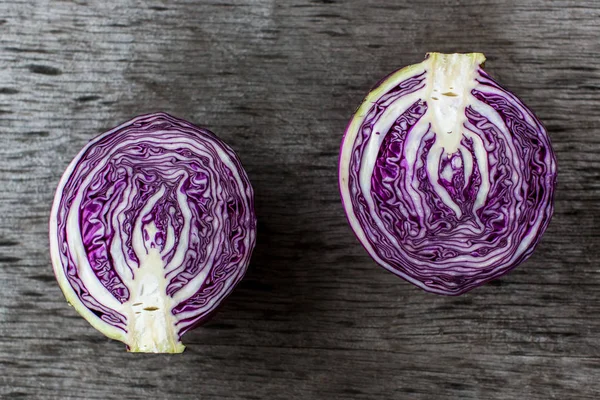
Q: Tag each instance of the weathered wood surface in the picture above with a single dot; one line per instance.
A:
(315, 318)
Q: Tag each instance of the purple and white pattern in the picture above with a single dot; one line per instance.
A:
(447, 178)
(152, 227)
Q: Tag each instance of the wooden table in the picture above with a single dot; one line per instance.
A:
(315, 317)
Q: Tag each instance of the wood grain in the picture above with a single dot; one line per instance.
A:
(315, 318)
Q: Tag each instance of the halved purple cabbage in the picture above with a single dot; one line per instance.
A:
(447, 178)
(152, 227)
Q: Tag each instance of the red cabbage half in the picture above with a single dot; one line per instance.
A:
(447, 178)
(152, 227)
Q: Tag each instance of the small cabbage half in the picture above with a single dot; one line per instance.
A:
(152, 227)
(447, 178)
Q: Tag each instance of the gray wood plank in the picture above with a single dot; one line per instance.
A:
(315, 318)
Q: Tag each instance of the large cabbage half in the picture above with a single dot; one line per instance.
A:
(152, 226)
(447, 178)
